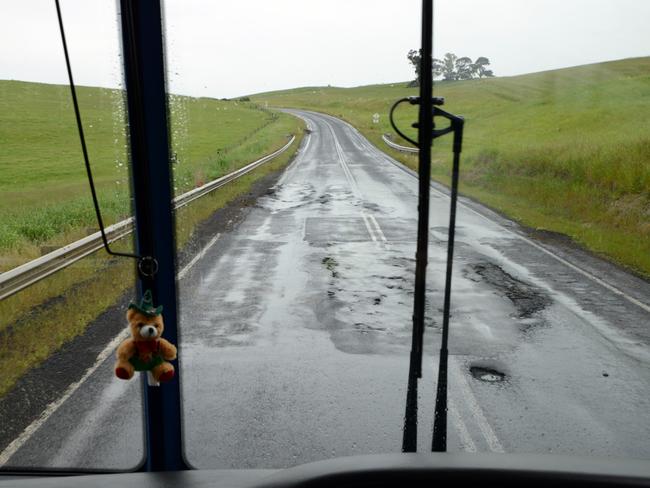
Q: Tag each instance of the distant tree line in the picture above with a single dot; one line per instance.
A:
(451, 67)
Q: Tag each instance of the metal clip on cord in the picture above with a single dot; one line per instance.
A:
(456, 125)
(147, 265)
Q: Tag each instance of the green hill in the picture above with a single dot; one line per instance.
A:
(45, 196)
(565, 150)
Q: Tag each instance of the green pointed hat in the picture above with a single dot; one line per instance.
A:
(146, 305)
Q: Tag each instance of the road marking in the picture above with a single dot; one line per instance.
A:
(19, 441)
(376, 234)
(466, 440)
(380, 233)
(181, 274)
(297, 160)
(474, 407)
(368, 227)
(51, 409)
(344, 165)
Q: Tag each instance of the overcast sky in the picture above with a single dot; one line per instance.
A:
(222, 48)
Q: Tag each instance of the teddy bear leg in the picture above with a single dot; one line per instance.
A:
(124, 370)
(163, 372)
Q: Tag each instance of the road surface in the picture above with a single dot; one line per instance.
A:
(296, 334)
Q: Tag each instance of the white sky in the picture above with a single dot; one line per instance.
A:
(224, 48)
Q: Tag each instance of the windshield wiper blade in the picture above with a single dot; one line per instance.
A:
(439, 443)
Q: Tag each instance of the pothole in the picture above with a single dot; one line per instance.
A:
(527, 298)
(331, 264)
(488, 375)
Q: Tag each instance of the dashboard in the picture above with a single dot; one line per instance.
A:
(382, 470)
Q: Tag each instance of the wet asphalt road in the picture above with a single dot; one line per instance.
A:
(296, 334)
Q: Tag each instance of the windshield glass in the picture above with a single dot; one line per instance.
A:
(296, 227)
(62, 306)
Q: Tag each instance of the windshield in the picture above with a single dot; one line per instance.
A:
(296, 206)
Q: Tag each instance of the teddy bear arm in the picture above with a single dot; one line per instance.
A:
(126, 350)
(167, 349)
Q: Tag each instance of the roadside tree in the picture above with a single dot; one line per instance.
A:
(451, 67)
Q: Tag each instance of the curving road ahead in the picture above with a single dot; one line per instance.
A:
(296, 333)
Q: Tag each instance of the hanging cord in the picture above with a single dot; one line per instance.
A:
(147, 265)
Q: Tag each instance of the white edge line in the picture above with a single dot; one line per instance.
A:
(186, 268)
(19, 441)
(31, 429)
(297, 160)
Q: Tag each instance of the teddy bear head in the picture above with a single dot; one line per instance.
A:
(145, 327)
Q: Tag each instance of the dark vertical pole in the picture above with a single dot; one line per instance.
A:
(425, 137)
(147, 107)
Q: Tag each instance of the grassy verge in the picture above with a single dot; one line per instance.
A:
(565, 150)
(65, 303)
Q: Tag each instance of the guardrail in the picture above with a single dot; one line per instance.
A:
(398, 147)
(29, 273)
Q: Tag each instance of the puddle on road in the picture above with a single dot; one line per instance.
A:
(287, 196)
(335, 193)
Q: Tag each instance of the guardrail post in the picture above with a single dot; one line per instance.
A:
(151, 179)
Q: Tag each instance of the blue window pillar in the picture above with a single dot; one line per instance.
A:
(144, 68)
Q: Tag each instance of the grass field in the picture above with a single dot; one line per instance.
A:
(45, 199)
(565, 150)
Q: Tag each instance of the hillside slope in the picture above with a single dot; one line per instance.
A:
(43, 184)
(565, 150)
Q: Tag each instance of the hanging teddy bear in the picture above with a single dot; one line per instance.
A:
(145, 350)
